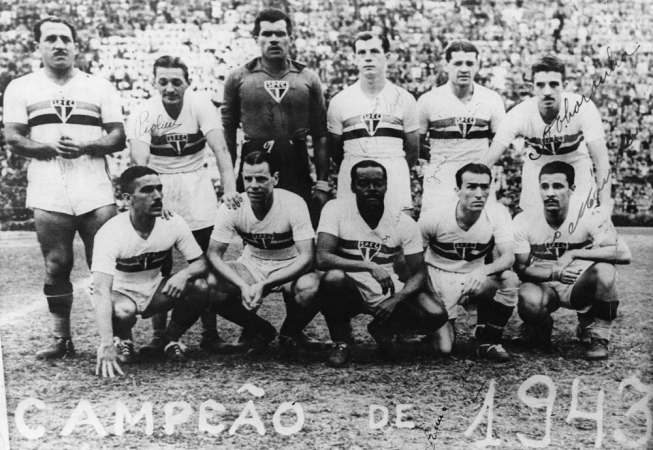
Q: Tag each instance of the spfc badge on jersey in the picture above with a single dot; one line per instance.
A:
(465, 124)
(64, 108)
(464, 248)
(265, 239)
(368, 249)
(552, 144)
(371, 122)
(277, 89)
(177, 142)
(557, 249)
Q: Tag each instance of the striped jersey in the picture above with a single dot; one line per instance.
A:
(272, 238)
(373, 127)
(564, 141)
(544, 245)
(459, 132)
(450, 248)
(78, 109)
(396, 232)
(175, 145)
(131, 260)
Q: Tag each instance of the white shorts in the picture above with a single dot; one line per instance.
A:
(398, 195)
(448, 287)
(262, 269)
(73, 187)
(564, 290)
(192, 196)
(139, 293)
(371, 290)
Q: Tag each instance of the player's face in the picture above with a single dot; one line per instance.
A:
(147, 198)
(259, 183)
(474, 191)
(58, 50)
(555, 191)
(462, 68)
(171, 84)
(369, 186)
(548, 88)
(274, 40)
(370, 59)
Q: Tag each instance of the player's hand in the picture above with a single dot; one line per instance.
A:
(386, 307)
(383, 278)
(566, 275)
(68, 148)
(167, 214)
(319, 198)
(107, 362)
(475, 280)
(175, 285)
(233, 200)
(257, 291)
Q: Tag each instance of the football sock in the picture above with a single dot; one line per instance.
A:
(604, 314)
(297, 317)
(209, 321)
(159, 322)
(60, 303)
(495, 314)
(585, 320)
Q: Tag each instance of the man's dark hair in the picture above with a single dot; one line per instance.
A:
(364, 165)
(171, 62)
(37, 27)
(479, 169)
(367, 35)
(559, 167)
(271, 15)
(459, 46)
(260, 157)
(131, 174)
(549, 63)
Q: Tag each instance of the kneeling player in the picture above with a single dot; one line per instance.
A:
(358, 241)
(457, 237)
(275, 226)
(128, 253)
(566, 261)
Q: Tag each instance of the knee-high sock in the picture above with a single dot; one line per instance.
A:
(60, 304)
(493, 315)
(297, 317)
(233, 310)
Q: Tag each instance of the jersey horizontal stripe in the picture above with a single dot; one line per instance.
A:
(451, 122)
(554, 251)
(191, 138)
(268, 241)
(461, 251)
(141, 263)
(170, 151)
(385, 119)
(31, 109)
(378, 259)
(354, 245)
(561, 146)
(475, 134)
(76, 119)
(380, 132)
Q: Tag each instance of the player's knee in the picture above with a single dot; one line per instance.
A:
(530, 299)
(509, 280)
(432, 311)
(58, 267)
(306, 289)
(604, 275)
(334, 280)
(124, 310)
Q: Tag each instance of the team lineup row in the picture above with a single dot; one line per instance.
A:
(67, 121)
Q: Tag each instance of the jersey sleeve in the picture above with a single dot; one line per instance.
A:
(411, 241)
(423, 113)
(300, 221)
(224, 226)
(105, 250)
(498, 112)
(501, 224)
(14, 108)
(591, 123)
(428, 227)
(410, 114)
(110, 110)
(317, 108)
(334, 118)
(231, 106)
(329, 219)
(520, 226)
(138, 125)
(510, 127)
(206, 113)
(185, 241)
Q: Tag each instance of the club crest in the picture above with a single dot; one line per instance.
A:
(368, 249)
(177, 142)
(64, 108)
(264, 239)
(464, 248)
(277, 89)
(557, 249)
(465, 124)
(552, 144)
(371, 122)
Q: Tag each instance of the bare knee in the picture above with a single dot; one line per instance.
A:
(58, 266)
(604, 275)
(124, 310)
(509, 279)
(306, 289)
(531, 300)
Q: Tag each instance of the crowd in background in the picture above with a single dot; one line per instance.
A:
(120, 39)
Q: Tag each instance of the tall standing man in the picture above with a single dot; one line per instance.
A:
(169, 133)
(457, 122)
(66, 121)
(279, 102)
(374, 119)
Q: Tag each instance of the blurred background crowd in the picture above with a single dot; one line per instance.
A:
(120, 39)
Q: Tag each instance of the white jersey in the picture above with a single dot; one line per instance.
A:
(545, 245)
(135, 263)
(450, 248)
(373, 127)
(272, 238)
(78, 109)
(175, 145)
(357, 241)
(459, 132)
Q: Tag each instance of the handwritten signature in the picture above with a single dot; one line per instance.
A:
(143, 126)
(436, 169)
(432, 434)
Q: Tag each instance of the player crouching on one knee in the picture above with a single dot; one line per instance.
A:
(358, 241)
(457, 237)
(278, 255)
(566, 261)
(127, 257)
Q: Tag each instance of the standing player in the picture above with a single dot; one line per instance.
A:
(278, 256)
(566, 261)
(168, 133)
(358, 240)
(553, 133)
(58, 117)
(459, 119)
(127, 278)
(457, 237)
(374, 119)
(279, 102)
